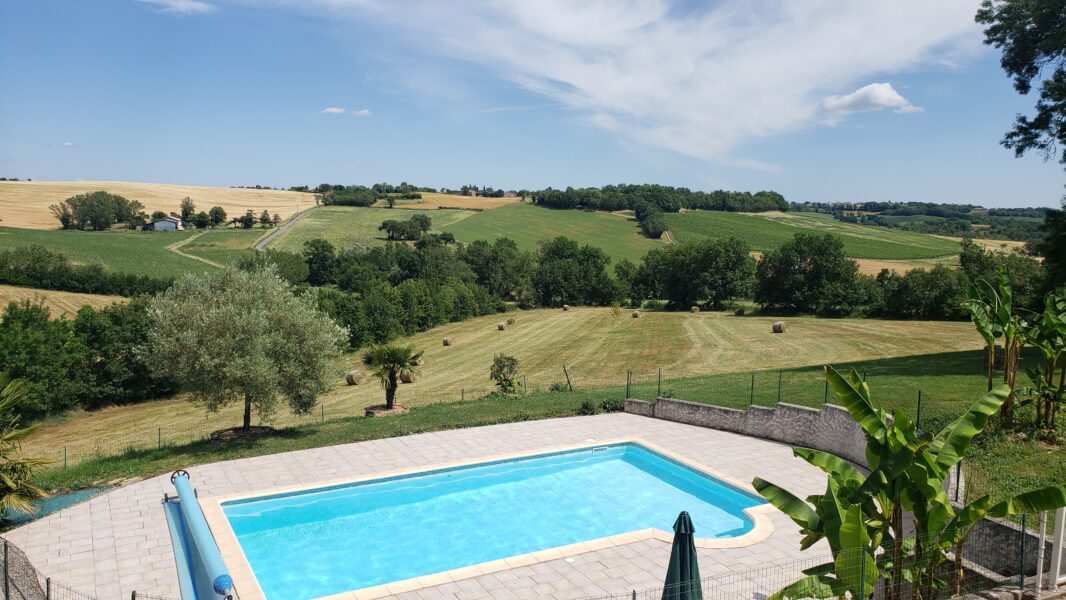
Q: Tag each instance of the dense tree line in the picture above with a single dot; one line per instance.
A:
(99, 211)
(410, 229)
(38, 267)
(89, 361)
(665, 198)
(961, 220)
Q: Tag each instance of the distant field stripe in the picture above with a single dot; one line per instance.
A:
(766, 231)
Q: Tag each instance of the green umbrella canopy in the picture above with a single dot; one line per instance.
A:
(683, 574)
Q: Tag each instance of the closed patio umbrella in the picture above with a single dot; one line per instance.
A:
(683, 574)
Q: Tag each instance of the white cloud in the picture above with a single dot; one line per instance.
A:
(68, 144)
(340, 110)
(875, 96)
(181, 7)
(701, 80)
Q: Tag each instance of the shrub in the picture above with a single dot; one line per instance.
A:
(558, 386)
(610, 405)
(504, 371)
(588, 407)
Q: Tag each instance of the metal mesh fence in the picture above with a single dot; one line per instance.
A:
(878, 574)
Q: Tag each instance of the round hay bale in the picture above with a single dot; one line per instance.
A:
(636, 314)
(355, 378)
(408, 378)
(510, 321)
(695, 309)
(779, 326)
(501, 326)
(566, 307)
(448, 341)
(739, 312)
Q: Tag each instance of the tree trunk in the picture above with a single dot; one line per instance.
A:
(958, 568)
(991, 363)
(247, 413)
(390, 391)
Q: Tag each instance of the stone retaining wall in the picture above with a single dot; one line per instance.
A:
(829, 428)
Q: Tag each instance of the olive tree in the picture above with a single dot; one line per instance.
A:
(234, 335)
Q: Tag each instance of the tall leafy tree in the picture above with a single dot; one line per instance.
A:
(188, 209)
(1031, 34)
(243, 336)
(711, 271)
(809, 273)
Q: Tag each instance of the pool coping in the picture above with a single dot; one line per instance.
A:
(248, 588)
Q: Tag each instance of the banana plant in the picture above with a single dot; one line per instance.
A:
(1048, 334)
(992, 310)
(861, 517)
(981, 309)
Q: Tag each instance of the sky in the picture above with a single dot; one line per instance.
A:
(820, 100)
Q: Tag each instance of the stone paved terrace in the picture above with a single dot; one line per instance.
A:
(119, 542)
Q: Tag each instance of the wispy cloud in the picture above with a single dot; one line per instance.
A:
(875, 96)
(340, 110)
(68, 145)
(181, 7)
(701, 80)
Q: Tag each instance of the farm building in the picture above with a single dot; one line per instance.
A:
(171, 222)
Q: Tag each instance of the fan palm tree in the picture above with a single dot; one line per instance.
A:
(17, 491)
(387, 363)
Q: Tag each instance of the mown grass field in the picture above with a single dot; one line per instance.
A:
(765, 231)
(25, 203)
(347, 226)
(61, 304)
(224, 247)
(596, 347)
(527, 225)
(138, 252)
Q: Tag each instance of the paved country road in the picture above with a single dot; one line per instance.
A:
(262, 245)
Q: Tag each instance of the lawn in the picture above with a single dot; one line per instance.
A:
(526, 224)
(347, 226)
(596, 347)
(999, 464)
(138, 252)
(766, 231)
(224, 246)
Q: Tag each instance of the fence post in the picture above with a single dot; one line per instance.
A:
(462, 394)
(958, 479)
(825, 392)
(751, 396)
(629, 384)
(159, 437)
(659, 386)
(1040, 555)
(64, 458)
(779, 387)
(7, 580)
(47, 588)
(1021, 556)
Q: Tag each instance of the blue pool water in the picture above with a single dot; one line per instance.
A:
(332, 540)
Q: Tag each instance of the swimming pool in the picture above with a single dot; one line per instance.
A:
(325, 541)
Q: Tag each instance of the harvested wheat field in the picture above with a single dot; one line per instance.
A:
(25, 203)
(59, 303)
(596, 346)
(438, 200)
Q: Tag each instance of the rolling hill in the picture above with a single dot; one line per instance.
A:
(25, 203)
(765, 231)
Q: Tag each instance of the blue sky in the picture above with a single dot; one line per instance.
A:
(827, 100)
